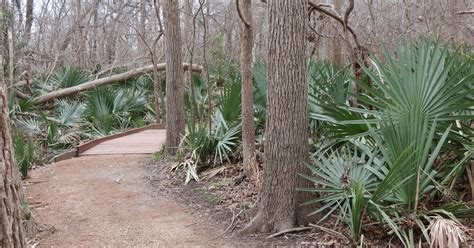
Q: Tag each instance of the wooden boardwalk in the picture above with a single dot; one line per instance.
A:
(145, 140)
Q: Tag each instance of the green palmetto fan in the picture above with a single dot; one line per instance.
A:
(329, 115)
(422, 86)
(63, 78)
(110, 109)
(337, 172)
(230, 101)
(418, 97)
(422, 76)
(353, 181)
(69, 112)
(26, 152)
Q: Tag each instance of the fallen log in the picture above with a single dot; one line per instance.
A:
(20, 83)
(104, 81)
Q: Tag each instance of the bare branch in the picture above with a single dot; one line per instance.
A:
(466, 12)
(240, 14)
(335, 16)
(348, 12)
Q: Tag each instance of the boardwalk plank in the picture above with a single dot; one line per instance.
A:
(143, 142)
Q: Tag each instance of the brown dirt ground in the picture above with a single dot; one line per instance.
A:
(98, 201)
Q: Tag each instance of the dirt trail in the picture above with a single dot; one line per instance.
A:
(98, 201)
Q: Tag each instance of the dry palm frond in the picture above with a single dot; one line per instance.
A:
(209, 174)
(446, 232)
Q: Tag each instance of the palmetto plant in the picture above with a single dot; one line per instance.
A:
(354, 181)
(69, 112)
(423, 76)
(62, 78)
(418, 97)
(26, 152)
(229, 105)
(337, 172)
(423, 85)
(330, 119)
(196, 105)
(216, 146)
(110, 109)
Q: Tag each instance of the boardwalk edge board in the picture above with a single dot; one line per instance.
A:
(77, 151)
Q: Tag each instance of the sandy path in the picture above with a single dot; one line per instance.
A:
(98, 201)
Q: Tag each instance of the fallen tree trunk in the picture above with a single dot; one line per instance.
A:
(104, 81)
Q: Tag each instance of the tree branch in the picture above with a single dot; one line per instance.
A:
(335, 16)
(240, 14)
(348, 12)
(466, 12)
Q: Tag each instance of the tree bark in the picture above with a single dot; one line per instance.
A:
(286, 135)
(79, 39)
(248, 129)
(157, 89)
(28, 20)
(174, 77)
(190, 39)
(107, 80)
(93, 50)
(143, 33)
(11, 229)
(111, 35)
(337, 47)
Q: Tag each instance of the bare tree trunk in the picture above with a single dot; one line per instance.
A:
(3, 28)
(93, 53)
(286, 135)
(190, 37)
(28, 21)
(142, 29)
(157, 91)
(204, 3)
(111, 37)
(336, 47)
(229, 30)
(79, 34)
(174, 77)
(11, 229)
(11, 57)
(188, 22)
(248, 129)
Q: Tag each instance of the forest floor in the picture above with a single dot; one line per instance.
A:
(97, 201)
(132, 201)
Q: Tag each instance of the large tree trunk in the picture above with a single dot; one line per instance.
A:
(286, 135)
(248, 130)
(174, 77)
(11, 229)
